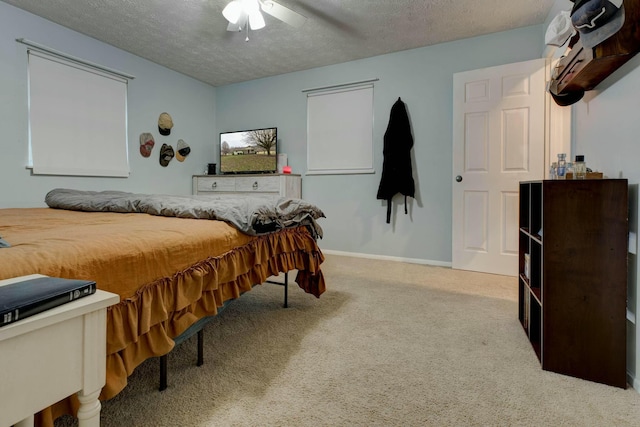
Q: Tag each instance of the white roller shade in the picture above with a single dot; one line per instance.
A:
(77, 119)
(340, 131)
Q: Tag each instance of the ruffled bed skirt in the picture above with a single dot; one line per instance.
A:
(144, 325)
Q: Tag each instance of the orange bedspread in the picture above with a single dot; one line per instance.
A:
(169, 272)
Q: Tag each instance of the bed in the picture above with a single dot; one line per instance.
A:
(169, 271)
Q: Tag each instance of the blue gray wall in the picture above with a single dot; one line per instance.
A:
(154, 90)
(423, 78)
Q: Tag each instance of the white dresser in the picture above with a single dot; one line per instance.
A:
(282, 185)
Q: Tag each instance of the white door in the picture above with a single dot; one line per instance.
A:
(498, 141)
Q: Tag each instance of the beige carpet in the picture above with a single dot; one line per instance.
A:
(389, 344)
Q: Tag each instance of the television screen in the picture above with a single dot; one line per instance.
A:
(249, 151)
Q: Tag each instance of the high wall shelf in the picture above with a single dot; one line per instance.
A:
(573, 276)
(585, 68)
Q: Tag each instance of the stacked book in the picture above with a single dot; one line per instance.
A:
(36, 294)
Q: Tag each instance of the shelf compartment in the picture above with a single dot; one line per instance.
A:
(535, 209)
(534, 332)
(524, 205)
(535, 257)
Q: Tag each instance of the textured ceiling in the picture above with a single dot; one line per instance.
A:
(189, 36)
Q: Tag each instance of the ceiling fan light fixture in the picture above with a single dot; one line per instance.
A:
(247, 14)
(232, 11)
(250, 6)
(256, 20)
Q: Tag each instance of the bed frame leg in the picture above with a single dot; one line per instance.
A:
(163, 373)
(286, 289)
(200, 347)
(200, 362)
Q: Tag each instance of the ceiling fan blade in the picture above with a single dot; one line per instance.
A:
(282, 13)
(238, 26)
(234, 27)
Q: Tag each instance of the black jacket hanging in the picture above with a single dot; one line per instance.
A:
(397, 175)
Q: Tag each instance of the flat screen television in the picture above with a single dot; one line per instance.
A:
(249, 151)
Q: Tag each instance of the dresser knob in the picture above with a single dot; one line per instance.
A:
(255, 185)
(214, 185)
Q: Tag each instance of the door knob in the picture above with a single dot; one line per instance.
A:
(458, 178)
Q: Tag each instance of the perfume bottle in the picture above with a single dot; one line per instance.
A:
(579, 168)
(562, 166)
(568, 171)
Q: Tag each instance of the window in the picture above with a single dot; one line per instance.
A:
(340, 130)
(77, 118)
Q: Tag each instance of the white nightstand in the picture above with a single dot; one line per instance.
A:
(50, 356)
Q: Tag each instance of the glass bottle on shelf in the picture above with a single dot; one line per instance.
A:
(579, 168)
(562, 166)
(552, 170)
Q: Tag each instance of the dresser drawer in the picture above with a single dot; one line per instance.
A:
(269, 184)
(213, 184)
(248, 185)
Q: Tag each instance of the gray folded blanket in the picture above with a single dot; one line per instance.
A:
(251, 215)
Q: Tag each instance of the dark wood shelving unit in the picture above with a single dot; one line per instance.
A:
(572, 290)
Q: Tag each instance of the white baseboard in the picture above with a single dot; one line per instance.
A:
(633, 382)
(388, 258)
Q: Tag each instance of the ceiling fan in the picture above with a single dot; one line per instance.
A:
(247, 14)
